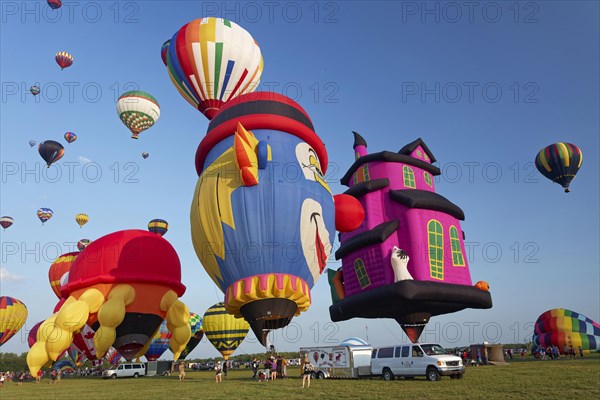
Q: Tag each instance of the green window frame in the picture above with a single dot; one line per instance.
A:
(435, 242)
(409, 177)
(458, 260)
(361, 273)
(427, 177)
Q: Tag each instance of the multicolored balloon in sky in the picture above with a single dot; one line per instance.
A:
(70, 137)
(158, 226)
(561, 327)
(6, 222)
(158, 344)
(265, 260)
(13, 315)
(223, 330)
(63, 59)
(82, 244)
(559, 162)
(55, 4)
(35, 90)
(145, 155)
(32, 143)
(44, 214)
(138, 111)
(211, 61)
(123, 285)
(51, 151)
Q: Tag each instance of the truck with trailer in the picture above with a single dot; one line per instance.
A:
(349, 359)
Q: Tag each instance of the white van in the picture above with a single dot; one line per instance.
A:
(415, 359)
(125, 370)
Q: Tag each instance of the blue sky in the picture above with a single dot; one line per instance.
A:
(486, 88)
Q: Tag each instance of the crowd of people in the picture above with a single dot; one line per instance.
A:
(553, 353)
(275, 367)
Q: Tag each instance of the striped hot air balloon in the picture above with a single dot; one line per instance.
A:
(13, 315)
(64, 59)
(561, 327)
(51, 151)
(6, 222)
(214, 61)
(158, 226)
(81, 219)
(70, 137)
(138, 111)
(163, 51)
(59, 268)
(159, 343)
(559, 162)
(44, 214)
(223, 330)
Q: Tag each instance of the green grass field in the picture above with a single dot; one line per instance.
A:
(562, 379)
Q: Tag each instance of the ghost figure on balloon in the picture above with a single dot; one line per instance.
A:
(122, 285)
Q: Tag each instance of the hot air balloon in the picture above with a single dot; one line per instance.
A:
(76, 356)
(44, 214)
(138, 110)
(250, 133)
(197, 334)
(145, 155)
(407, 259)
(51, 151)
(163, 51)
(211, 61)
(158, 226)
(32, 335)
(158, 344)
(59, 268)
(559, 162)
(13, 315)
(6, 222)
(35, 90)
(70, 137)
(123, 285)
(113, 356)
(32, 143)
(561, 327)
(223, 330)
(82, 244)
(81, 219)
(64, 59)
(55, 4)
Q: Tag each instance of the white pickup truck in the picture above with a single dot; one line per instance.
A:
(415, 359)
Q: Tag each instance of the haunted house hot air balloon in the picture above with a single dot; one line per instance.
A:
(262, 215)
(559, 162)
(211, 61)
(386, 273)
(122, 285)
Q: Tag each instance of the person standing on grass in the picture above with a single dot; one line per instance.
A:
(254, 368)
(273, 369)
(181, 371)
(580, 352)
(307, 370)
(38, 376)
(218, 373)
(283, 367)
(225, 368)
(1, 379)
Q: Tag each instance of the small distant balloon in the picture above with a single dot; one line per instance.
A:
(145, 155)
(63, 59)
(82, 244)
(163, 51)
(81, 219)
(55, 4)
(32, 143)
(51, 151)
(44, 214)
(35, 90)
(6, 222)
(158, 226)
(70, 137)
(559, 162)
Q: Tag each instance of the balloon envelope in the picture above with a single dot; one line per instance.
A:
(212, 60)
(561, 327)
(559, 162)
(163, 51)
(58, 269)
(64, 59)
(35, 90)
(13, 315)
(51, 151)
(223, 330)
(82, 244)
(44, 214)
(145, 155)
(32, 143)
(138, 111)
(81, 219)
(54, 4)
(6, 222)
(158, 226)
(159, 343)
(70, 137)
(197, 334)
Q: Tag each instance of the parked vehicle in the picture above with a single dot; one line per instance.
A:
(125, 370)
(163, 368)
(416, 359)
(350, 359)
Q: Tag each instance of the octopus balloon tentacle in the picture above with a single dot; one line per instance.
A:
(178, 322)
(110, 315)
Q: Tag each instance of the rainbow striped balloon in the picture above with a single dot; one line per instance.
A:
(212, 60)
(223, 330)
(559, 162)
(159, 342)
(561, 327)
(13, 315)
